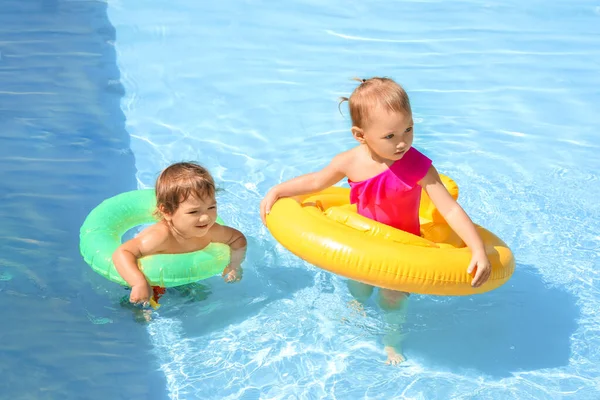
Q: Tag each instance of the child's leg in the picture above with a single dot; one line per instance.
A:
(392, 299)
(360, 291)
(394, 304)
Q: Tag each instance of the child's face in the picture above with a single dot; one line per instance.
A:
(194, 217)
(388, 134)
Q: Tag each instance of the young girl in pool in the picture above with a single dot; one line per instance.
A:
(186, 204)
(386, 174)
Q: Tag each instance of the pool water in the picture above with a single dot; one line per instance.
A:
(96, 98)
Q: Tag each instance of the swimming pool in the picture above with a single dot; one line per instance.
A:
(96, 98)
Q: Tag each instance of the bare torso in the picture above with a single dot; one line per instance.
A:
(171, 243)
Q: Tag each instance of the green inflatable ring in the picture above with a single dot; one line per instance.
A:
(101, 233)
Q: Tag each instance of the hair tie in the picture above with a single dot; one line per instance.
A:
(364, 80)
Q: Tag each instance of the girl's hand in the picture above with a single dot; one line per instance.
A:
(309, 183)
(480, 262)
(141, 293)
(231, 274)
(266, 204)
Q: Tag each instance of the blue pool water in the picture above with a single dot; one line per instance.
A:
(97, 97)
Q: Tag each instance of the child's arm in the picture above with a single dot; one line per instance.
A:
(126, 261)
(237, 243)
(309, 183)
(460, 222)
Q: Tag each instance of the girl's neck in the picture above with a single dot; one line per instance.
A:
(375, 157)
(178, 236)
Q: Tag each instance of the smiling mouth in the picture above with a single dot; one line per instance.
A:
(201, 226)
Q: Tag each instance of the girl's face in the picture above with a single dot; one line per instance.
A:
(388, 134)
(194, 217)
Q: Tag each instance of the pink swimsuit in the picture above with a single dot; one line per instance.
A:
(393, 196)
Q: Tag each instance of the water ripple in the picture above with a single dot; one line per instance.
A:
(368, 39)
(503, 96)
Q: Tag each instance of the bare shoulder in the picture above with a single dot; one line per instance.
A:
(154, 239)
(224, 234)
(156, 231)
(227, 235)
(344, 161)
(217, 231)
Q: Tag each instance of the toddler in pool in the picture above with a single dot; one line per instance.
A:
(386, 175)
(186, 204)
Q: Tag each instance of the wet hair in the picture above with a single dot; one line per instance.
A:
(178, 182)
(373, 92)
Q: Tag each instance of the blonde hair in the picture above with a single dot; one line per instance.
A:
(178, 182)
(373, 92)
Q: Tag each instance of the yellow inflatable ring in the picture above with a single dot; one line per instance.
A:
(325, 230)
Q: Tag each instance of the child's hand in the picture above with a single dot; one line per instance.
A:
(484, 269)
(232, 274)
(140, 293)
(266, 204)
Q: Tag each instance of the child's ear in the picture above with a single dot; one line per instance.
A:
(163, 212)
(358, 134)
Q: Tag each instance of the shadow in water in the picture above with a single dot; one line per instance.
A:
(522, 326)
(63, 149)
(219, 304)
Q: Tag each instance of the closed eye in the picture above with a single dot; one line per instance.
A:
(192, 212)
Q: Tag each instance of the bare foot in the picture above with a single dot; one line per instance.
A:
(394, 358)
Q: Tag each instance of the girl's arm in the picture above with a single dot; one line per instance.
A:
(309, 183)
(460, 222)
(126, 261)
(237, 243)
(234, 239)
